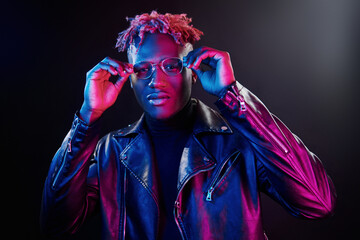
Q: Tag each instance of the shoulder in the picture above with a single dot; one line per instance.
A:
(116, 140)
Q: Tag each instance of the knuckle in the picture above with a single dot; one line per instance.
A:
(106, 58)
(101, 65)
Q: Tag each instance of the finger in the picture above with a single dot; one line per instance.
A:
(209, 57)
(125, 69)
(119, 66)
(198, 73)
(121, 80)
(113, 62)
(196, 54)
(204, 55)
(103, 66)
(189, 59)
(129, 68)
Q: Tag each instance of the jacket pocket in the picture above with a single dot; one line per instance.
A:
(221, 174)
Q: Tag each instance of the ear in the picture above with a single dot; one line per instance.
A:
(194, 77)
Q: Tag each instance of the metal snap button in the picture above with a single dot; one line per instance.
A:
(224, 128)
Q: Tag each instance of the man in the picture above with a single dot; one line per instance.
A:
(183, 170)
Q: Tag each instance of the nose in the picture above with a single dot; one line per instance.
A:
(158, 78)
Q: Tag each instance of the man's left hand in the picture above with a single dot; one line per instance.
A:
(219, 76)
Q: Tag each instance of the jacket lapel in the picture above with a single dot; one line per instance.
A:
(195, 157)
(138, 156)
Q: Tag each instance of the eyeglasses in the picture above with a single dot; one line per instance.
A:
(170, 66)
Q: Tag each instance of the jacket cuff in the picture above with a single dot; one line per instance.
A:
(83, 125)
(80, 129)
(66, 159)
(231, 99)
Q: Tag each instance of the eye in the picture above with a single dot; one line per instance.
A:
(170, 67)
(143, 70)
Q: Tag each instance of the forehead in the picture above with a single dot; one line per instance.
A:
(154, 48)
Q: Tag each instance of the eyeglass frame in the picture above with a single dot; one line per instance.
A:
(153, 67)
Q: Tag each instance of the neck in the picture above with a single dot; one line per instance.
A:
(182, 120)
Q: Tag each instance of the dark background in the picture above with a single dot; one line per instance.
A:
(299, 57)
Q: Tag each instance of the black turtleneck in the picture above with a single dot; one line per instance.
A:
(169, 138)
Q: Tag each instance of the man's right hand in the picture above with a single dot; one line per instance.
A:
(99, 92)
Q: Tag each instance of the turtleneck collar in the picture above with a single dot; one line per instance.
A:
(181, 121)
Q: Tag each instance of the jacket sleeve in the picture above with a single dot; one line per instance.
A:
(71, 189)
(287, 171)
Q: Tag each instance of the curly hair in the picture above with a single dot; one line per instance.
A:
(176, 25)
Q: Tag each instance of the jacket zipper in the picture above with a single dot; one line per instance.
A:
(268, 133)
(209, 194)
(219, 177)
(69, 149)
(272, 137)
(240, 99)
(176, 216)
(177, 203)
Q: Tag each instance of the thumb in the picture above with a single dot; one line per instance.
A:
(199, 73)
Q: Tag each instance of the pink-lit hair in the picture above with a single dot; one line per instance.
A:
(176, 25)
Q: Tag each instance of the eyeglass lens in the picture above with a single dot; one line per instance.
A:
(171, 66)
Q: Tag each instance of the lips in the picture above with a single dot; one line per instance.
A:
(158, 98)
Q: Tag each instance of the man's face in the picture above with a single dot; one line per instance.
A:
(161, 96)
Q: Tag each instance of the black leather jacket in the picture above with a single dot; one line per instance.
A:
(229, 159)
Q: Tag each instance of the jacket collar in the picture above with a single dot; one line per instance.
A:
(207, 120)
(195, 158)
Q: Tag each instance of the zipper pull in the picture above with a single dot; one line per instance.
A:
(177, 204)
(209, 194)
(176, 209)
(239, 98)
(69, 146)
(242, 105)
